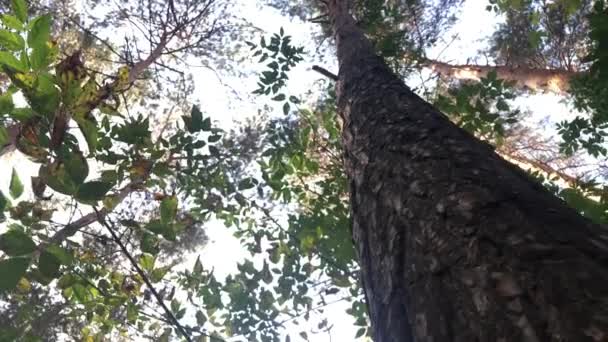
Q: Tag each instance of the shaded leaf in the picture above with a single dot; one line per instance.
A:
(4, 137)
(168, 209)
(49, 264)
(197, 119)
(198, 266)
(93, 191)
(12, 270)
(61, 254)
(57, 178)
(15, 242)
(286, 108)
(76, 167)
(3, 203)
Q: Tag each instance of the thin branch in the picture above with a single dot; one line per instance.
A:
(72, 228)
(102, 219)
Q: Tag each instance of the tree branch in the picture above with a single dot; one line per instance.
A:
(325, 72)
(553, 80)
(102, 219)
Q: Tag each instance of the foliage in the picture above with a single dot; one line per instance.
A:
(481, 108)
(590, 93)
(100, 297)
(540, 34)
(278, 185)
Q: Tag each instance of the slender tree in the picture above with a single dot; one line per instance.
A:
(454, 243)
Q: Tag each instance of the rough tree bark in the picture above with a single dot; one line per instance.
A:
(454, 243)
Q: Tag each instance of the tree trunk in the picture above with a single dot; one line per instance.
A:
(556, 81)
(454, 243)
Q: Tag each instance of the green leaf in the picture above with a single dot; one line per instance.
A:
(360, 332)
(214, 138)
(93, 191)
(15, 242)
(201, 319)
(40, 32)
(246, 183)
(20, 9)
(279, 97)
(159, 273)
(8, 60)
(4, 138)
(146, 261)
(16, 187)
(11, 41)
(9, 334)
(45, 97)
(61, 254)
(286, 108)
(57, 178)
(188, 123)
(198, 266)
(502, 105)
(6, 103)
(197, 119)
(169, 233)
(166, 230)
(11, 21)
(80, 292)
(88, 127)
(175, 305)
(67, 280)
(22, 114)
(157, 227)
(149, 243)
(76, 167)
(40, 57)
(49, 264)
(165, 336)
(12, 270)
(3, 203)
(206, 126)
(168, 209)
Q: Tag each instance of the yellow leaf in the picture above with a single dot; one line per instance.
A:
(122, 82)
(24, 285)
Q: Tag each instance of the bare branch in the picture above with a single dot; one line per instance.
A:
(325, 72)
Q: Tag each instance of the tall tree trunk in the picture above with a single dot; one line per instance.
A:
(553, 80)
(454, 243)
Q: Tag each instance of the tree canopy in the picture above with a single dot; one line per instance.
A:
(132, 173)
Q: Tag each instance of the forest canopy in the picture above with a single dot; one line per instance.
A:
(131, 208)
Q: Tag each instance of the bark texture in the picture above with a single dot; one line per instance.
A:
(454, 243)
(552, 80)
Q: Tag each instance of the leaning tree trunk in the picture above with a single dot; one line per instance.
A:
(553, 80)
(454, 243)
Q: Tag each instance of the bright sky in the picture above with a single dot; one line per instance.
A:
(217, 100)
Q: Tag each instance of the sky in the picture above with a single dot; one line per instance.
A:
(215, 93)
